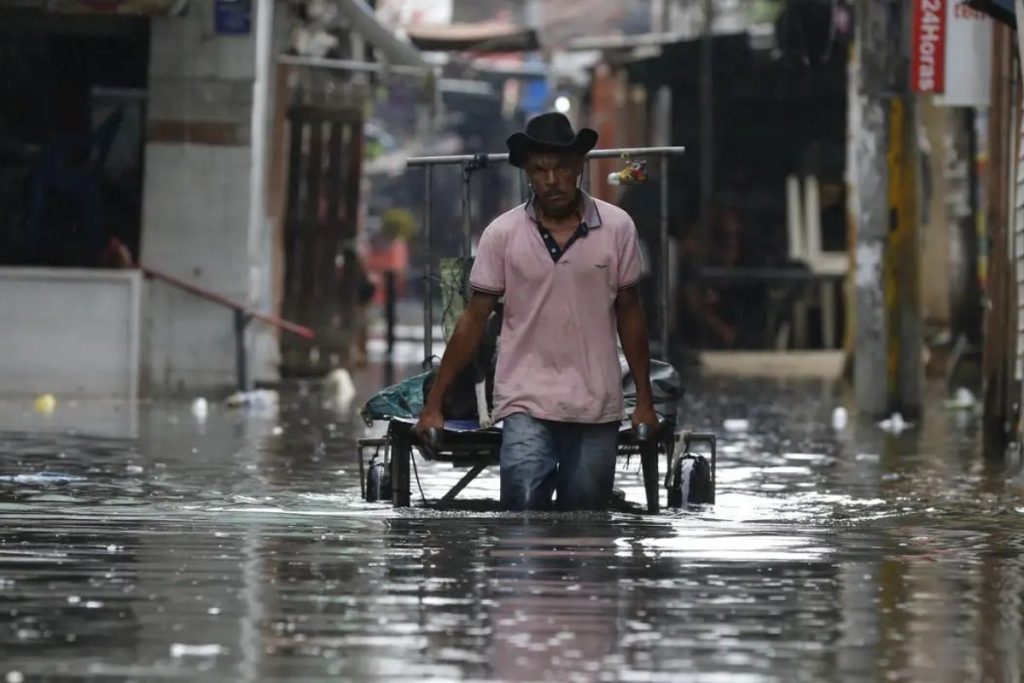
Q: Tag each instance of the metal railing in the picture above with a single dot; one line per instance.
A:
(242, 315)
(475, 162)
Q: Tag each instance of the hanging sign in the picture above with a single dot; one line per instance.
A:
(232, 17)
(928, 47)
(968, 57)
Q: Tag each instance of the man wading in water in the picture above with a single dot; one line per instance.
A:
(568, 266)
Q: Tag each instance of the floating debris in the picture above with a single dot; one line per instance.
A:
(179, 650)
(339, 390)
(963, 399)
(45, 404)
(736, 425)
(895, 424)
(200, 409)
(262, 399)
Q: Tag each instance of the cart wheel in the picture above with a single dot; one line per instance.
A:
(691, 481)
(378, 482)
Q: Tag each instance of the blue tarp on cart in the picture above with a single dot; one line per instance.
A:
(405, 399)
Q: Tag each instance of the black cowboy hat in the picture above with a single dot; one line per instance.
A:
(551, 132)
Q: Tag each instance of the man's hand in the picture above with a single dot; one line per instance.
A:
(430, 418)
(644, 414)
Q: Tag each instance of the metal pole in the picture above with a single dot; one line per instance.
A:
(241, 362)
(428, 277)
(464, 482)
(362, 19)
(354, 65)
(401, 458)
(389, 287)
(967, 304)
(594, 154)
(663, 242)
(467, 244)
(707, 123)
(903, 265)
(261, 290)
(389, 282)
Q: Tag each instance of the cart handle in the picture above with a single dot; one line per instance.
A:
(483, 160)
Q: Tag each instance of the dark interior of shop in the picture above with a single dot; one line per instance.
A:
(71, 138)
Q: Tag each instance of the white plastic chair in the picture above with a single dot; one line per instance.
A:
(803, 223)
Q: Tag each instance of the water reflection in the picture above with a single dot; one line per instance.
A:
(238, 548)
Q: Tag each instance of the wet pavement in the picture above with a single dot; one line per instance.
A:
(147, 544)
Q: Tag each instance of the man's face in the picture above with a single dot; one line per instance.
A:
(553, 177)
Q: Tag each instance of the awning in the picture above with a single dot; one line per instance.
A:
(1001, 10)
(364, 22)
(474, 37)
(149, 8)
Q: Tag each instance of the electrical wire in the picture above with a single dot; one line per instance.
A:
(416, 472)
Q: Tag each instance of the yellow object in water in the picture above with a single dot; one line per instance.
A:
(45, 404)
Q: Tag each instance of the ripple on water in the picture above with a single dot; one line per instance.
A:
(226, 550)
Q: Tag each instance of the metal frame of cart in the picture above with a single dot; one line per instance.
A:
(471, 163)
(478, 449)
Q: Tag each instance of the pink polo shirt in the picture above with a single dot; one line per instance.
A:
(559, 357)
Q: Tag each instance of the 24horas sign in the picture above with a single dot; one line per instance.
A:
(928, 51)
(951, 53)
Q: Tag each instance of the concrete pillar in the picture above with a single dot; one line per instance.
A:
(204, 216)
(868, 124)
(887, 355)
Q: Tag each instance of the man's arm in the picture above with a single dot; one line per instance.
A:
(632, 326)
(461, 348)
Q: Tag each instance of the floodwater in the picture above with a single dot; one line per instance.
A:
(147, 544)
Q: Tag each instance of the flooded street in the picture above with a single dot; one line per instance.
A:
(157, 546)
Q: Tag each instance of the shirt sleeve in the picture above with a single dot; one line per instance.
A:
(488, 273)
(631, 261)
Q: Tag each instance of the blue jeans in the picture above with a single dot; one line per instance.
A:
(539, 457)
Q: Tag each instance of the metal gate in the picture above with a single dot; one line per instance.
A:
(324, 172)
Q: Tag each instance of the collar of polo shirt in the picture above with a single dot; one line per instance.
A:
(589, 217)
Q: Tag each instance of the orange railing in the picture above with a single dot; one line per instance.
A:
(242, 315)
